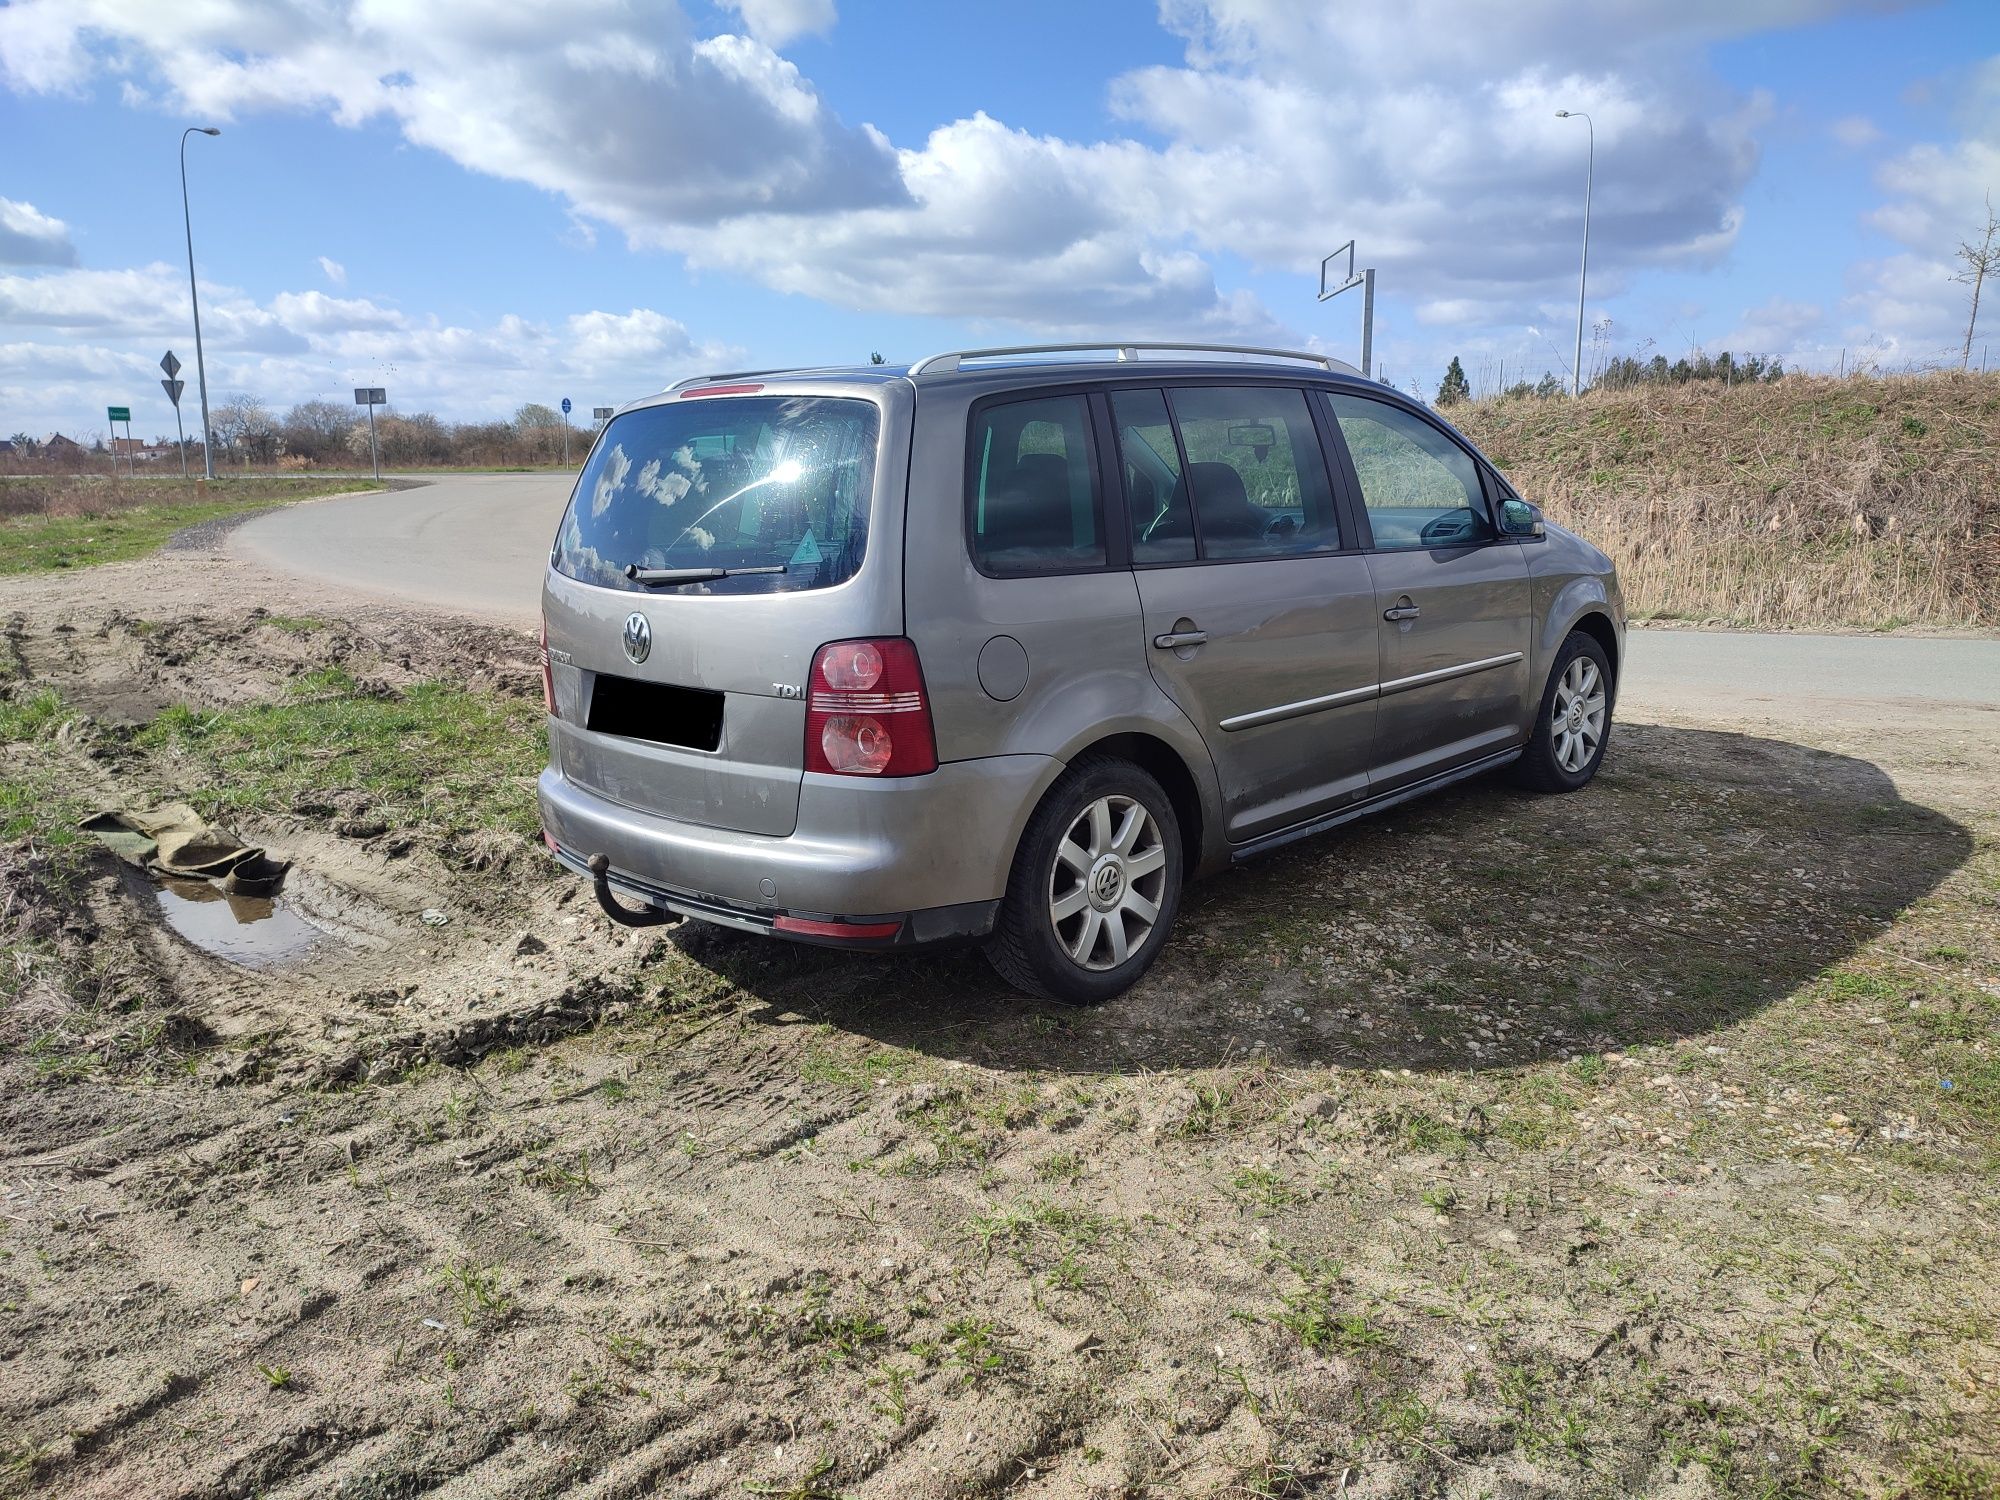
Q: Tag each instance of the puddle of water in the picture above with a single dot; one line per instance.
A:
(255, 932)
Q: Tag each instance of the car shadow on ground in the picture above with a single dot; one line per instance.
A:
(1702, 876)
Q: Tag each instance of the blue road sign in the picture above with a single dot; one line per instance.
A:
(565, 406)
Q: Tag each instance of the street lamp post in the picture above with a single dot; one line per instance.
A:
(1583, 275)
(200, 366)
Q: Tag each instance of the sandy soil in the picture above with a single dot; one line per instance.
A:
(1504, 1146)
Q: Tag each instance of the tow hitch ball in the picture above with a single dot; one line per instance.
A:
(625, 916)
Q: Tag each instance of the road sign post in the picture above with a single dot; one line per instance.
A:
(372, 396)
(173, 387)
(113, 416)
(1366, 281)
(565, 411)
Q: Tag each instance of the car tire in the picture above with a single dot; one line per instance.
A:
(1101, 851)
(1573, 722)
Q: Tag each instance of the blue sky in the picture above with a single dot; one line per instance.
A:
(482, 204)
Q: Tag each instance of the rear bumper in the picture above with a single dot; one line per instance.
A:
(932, 852)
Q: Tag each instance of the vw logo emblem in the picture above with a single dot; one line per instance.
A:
(638, 637)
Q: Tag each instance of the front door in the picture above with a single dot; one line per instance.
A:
(1453, 596)
(1257, 622)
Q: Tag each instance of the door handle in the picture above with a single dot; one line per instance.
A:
(1401, 612)
(1175, 639)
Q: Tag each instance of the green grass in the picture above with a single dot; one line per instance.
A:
(1312, 1315)
(432, 756)
(33, 802)
(124, 530)
(33, 716)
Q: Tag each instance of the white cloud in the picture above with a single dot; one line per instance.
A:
(1779, 325)
(315, 312)
(1427, 131)
(29, 237)
(607, 339)
(1906, 309)
(1855, 131)
(1938, 196)
(776, 22)
(334, 271)
(703, 127)
(72, 339)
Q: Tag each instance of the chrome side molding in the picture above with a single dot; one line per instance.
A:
(1374, 690)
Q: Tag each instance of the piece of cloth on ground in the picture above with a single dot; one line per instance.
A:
(173, 840)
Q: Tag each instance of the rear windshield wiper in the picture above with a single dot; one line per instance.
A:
(693, 575)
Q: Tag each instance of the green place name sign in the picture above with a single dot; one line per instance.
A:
(119, 413)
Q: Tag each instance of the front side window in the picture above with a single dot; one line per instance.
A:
(1033, 489)
(776, 484)
(1421, 489)
(1255, 472)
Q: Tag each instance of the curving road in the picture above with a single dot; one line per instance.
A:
(477, 544)
(474, 544)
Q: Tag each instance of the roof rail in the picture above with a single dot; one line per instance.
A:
(943, 364)
(679, 385)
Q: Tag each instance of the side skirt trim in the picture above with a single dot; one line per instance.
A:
(1374, 805)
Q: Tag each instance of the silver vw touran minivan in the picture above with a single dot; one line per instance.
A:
(1010, 643)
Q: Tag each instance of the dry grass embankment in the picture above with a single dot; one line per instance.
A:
(1813, 502)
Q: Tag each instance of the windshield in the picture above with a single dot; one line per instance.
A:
(742, 482)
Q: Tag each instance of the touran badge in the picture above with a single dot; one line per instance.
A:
(638, 638)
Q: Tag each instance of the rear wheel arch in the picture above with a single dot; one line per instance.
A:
(1164, 764)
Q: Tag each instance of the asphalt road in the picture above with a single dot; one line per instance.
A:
(476, 544)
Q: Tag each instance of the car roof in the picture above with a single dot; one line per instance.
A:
(1074, 361)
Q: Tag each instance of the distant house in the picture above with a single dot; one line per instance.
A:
(139, 450)
(59, 446)
(6, 447)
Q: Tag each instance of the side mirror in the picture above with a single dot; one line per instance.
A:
(1518, 518)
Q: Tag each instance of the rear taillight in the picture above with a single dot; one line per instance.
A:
(548, 676)
(866, 714)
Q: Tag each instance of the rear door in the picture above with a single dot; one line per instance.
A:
(686, 698)
(1453, 597)
(1259, 612)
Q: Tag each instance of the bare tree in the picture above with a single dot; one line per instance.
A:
(318, 429)
(244, 423)
(1979, 260)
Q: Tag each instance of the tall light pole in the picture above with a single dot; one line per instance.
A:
(200, 366)
(1582, 276)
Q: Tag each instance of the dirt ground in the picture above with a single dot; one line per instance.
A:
(1637, 1142)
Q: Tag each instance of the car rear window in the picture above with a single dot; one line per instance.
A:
(726, 482)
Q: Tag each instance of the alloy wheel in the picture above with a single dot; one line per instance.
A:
(1576, 719)
(1108, 881)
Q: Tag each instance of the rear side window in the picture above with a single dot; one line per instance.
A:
(1255, 471)
(769, 482)
(1032, 488)
(1421, 489)
(1155, 494)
